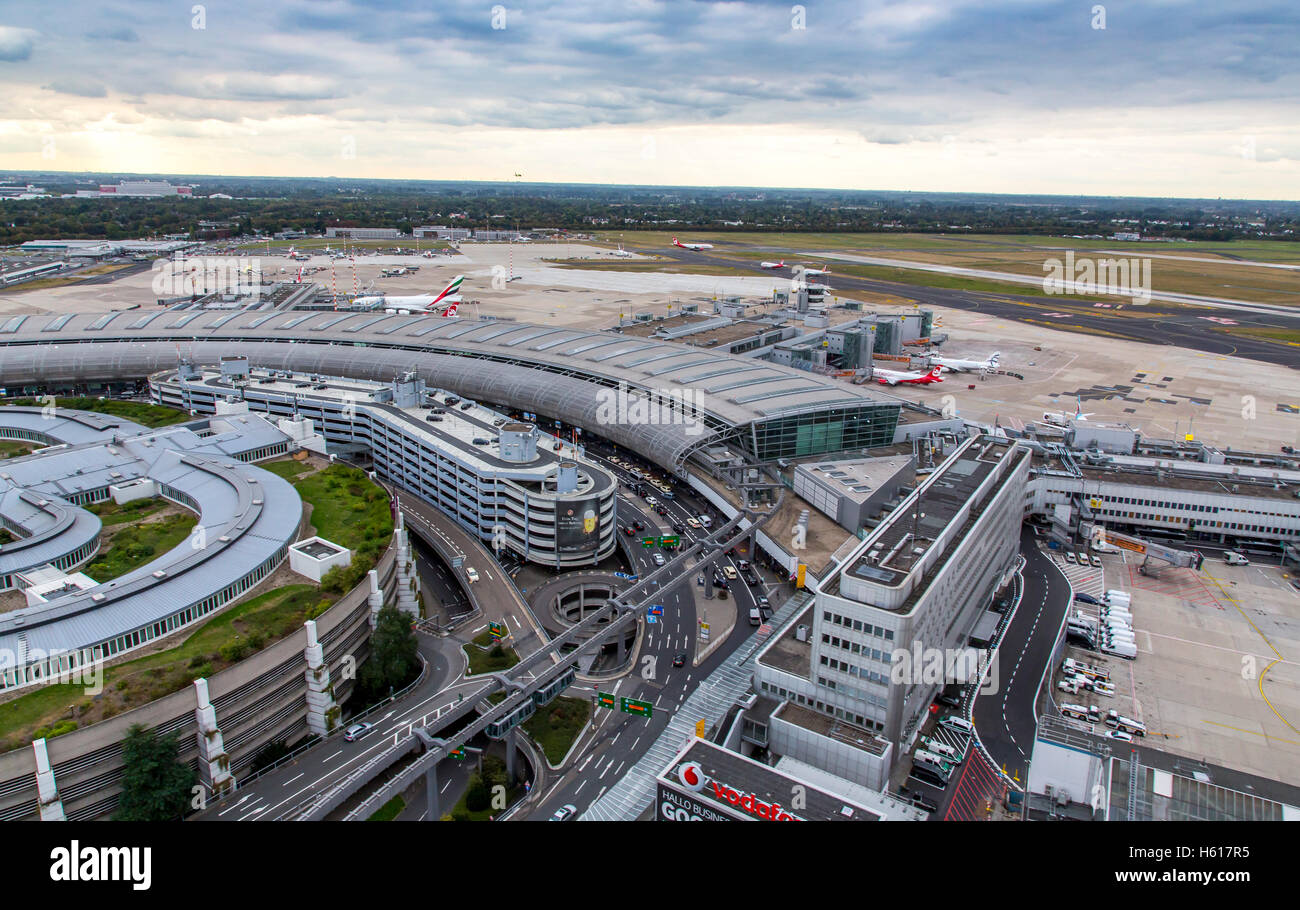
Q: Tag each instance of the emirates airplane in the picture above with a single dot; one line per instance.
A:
(697, 247)
(894, 377)
(448, 297)
(772, 265)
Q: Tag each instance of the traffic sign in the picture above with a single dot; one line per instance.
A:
(497, 630)
(657, 610)
(647, 542)
(459, 754)
(636, 706)
(668, 541)
(652, 619)
(605, 700)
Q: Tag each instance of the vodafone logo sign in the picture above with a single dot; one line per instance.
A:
(692, 776)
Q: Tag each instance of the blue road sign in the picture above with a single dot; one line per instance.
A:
(651, 619)
(657, 610)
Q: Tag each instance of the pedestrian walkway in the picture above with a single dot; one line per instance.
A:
(979, 789)
(635, 790)
(1083, 579)
(1184, 584)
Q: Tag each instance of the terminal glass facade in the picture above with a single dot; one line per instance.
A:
(829, 430)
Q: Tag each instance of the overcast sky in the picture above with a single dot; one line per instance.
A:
(1170, 98)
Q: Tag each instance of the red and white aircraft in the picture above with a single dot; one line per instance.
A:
(448, 297)
(772, 265)
(816, 272)
(894, 377)
(697, 247)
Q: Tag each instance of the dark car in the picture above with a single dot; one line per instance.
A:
(467, 405)
(679, 660)
(1087, 599)
(750, 577)
(639, 525)
(661, 510)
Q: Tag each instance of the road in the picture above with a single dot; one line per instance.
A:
(1168, 324)
(615, 741)
(1006, 718)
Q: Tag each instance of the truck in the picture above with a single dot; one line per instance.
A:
(1072, 667)
(1124, 649)
(1115, 596)
(1233, 558)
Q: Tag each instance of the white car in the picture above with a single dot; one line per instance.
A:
(564, 813)
(356, 731)
(1069, 557)
(694, 524)
(1096, 561)
(651, 501)
(471, 574)
(730, 572)
(659, 559)
(1120, 735)
(706, 521)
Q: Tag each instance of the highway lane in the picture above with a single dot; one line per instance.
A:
(1180, 326)
(1007, 719)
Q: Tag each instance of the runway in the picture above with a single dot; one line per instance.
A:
(1180, 326)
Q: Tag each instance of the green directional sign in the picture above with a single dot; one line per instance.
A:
(648, 542)
(636, 706)
(497, 629)
(605, 700)
(670, 541)
(459, 754)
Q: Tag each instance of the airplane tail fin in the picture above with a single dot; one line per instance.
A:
(934, 374)
(451, 310)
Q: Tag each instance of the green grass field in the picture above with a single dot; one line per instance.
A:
(389, 810)
(14, 449)
(149, 415)
(554, 727)
(481, 661)
(229, 636)
(110, 513)
(139, 545)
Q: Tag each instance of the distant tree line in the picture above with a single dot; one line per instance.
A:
(269, 205)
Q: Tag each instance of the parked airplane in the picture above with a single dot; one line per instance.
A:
(894, 377)
(815, 272)
(428, 303)
(697, 247)
(622, 252)
(772, 265)
(956, 365)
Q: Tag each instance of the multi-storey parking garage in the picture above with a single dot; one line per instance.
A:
(491, 474)
(600, 380)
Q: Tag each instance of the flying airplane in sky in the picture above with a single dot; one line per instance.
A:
(772, 265)
(894, 377)
(697, 247)
(957, 365)
(448, 297)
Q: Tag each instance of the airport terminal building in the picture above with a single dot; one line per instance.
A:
(504, 480)
(920, 580)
